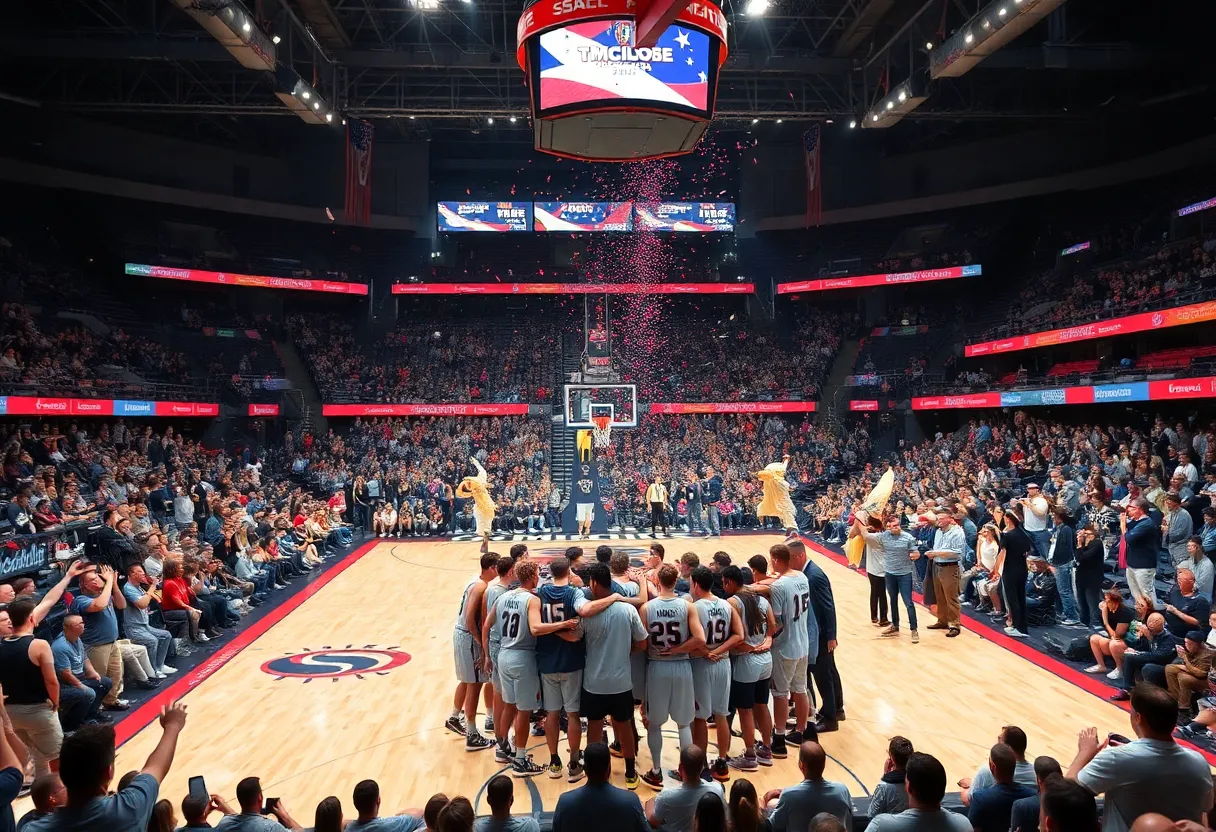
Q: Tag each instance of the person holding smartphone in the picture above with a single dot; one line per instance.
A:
(258, 814)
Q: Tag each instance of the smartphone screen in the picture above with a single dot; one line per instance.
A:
(270, 804)
(198, 788)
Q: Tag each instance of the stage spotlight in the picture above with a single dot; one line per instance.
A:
(305, 95)
(853, 124)
(513, 119)
(969, 37)
(755, 121)
(316, 105)
(755, 8)
(903, 96)
(874, 117)
(343, 122)
(890, 105)
(780, 120)
(987, 24)
(412, 118)
(490, 120)
(929, 45)
(277, 40)
(1002, 12)
(245, 27)
(329, 116)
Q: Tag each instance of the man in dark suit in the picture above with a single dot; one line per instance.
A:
(822, 667)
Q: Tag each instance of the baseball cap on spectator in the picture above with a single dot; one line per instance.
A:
(1031, 485)
(1196, 635)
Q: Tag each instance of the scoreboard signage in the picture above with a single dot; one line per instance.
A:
(582, 216)
(686, 216)
(485, 216)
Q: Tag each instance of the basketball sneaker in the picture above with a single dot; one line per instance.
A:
(764, 755)
(720, 770)
(574, 772)
(744, 763)
(777, 750)
(455, 724)
(525, 767)
(555, 769)
(503, 752)
(631, 781)
(615, 749)
(654, 779)
(490, 724)
(474, 741)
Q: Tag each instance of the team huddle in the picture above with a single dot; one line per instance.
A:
(689, 644)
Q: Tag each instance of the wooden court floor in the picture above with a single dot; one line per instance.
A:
(308, 737)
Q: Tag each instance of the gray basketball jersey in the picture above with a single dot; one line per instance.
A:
(516, 634)
(609, 637)
(715, 620)
(791, 598)
(464, 599)
(667, 624)
(631, 589)
(493, 593)
(752, 667)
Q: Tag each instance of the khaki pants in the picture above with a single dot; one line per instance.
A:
(38, 727)
(1183, 685)
(107, 661)
(945, 591)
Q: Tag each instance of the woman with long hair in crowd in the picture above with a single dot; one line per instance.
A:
(745, 814)
(710, 815)
(984, 577)
(329, 815)
(457, 816)
(162, 818)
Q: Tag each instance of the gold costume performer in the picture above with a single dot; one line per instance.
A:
(872, 506)
(478, 488)
(776, 501)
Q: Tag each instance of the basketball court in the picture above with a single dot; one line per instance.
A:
(353, 678)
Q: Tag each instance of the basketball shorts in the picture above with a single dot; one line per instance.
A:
(520, 680)
(669, 692)
(562, 690)
(467, 652)
(584, 512)
(789, 676)
(637, 673)
(744, 695)
(495, 678)
(711, 687)
(616, 706)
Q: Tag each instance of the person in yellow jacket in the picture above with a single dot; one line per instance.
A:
(776, 501)
(478, 488)
(656, 496)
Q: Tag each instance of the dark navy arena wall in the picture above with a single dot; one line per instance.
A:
(584, 474)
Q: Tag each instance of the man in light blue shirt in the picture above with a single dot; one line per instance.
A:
(896, 546)
(949, 544)
(366, 798)
(251, 819)
(926, 784)
(674, 808)
(798, 804)
(500, 794)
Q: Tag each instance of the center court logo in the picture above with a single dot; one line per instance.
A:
(336, 663)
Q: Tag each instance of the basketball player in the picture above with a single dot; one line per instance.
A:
(466, 648)
(711, 668)
(674, 631)
(519, 615)
(491, 640)
(610, 631)
(751, 665)
(584, 505)
(561, 663)
(790, 597)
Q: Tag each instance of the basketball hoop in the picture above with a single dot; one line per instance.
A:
(601, 430)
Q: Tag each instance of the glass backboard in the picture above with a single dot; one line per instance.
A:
(581, 398)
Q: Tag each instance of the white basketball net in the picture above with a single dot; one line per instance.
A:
(601, 433)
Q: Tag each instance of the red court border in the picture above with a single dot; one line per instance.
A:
(146, 714)
(1041, 660)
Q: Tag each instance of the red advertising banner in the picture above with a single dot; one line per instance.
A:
(867, 404)
(573, 288)
(952, 402)
(1178, 316)
(732, 407)
(263, 410)
(40, 406)
(260, 280)
(424, 409)
(894, 278)
(1183, 388)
